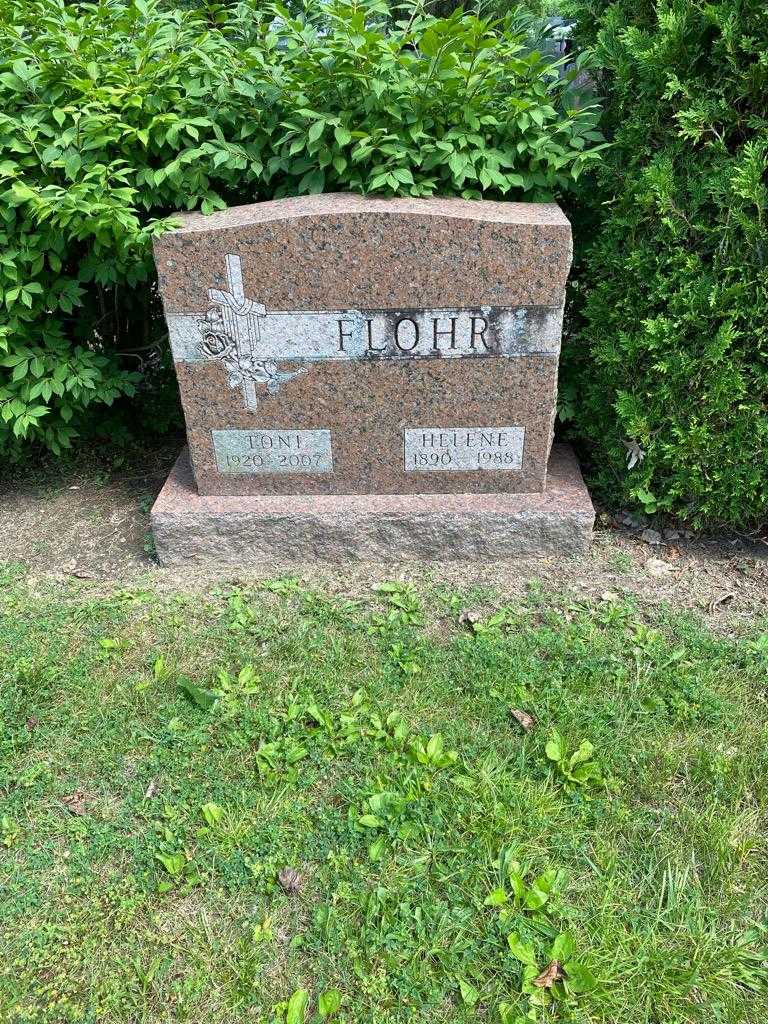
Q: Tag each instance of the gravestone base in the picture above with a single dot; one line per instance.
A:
(190, 528)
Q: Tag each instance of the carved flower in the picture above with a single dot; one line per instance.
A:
(216, 344)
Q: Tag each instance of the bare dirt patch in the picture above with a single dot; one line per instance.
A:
(88, 523)
(94, 525)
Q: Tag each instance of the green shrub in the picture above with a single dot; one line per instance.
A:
(668, 375)
(115, 114)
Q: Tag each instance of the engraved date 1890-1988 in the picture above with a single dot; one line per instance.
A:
(462, 449)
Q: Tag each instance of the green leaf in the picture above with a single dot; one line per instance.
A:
(546, 882)
(429, 44)
(562, 948)
(297, 1007)
(508, 1014)
(197, 695)
(329, 1002)
(522, 951)
(212, 813)
(579, 979)
(14, 358)
(584, 753)
(435, 746)
(555, 748)
(370, 821)
(312, 182)
(13, 82)
(535, 898)
(315, 132)
(72, 165)
(377, 848)
(516, 880)
(174, 863)
(469, 994)
(497, 898)
(22, 193)
(22, 70)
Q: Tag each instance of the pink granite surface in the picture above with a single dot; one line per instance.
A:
(346, 202)
(191, 528)
(367, 406)
(336, 251)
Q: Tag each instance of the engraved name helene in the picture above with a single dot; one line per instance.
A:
(425, 449)
(459, 449)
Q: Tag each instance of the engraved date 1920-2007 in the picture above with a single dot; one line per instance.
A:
(240, 452)
(425, 450)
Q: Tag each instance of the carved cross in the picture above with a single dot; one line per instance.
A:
(242, 316)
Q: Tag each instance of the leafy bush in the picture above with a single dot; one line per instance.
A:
(115, 114)
(669, 374)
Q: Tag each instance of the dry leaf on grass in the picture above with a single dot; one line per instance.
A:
(554, 972)
(76, 803)
(718, 602)
(651, 536)
(526, 720)
(290, 880)
(469, 619)
(658, 567)
(32, 722)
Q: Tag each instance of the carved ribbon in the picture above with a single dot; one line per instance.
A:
(240, 307)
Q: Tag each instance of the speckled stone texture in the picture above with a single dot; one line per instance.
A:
(190, 528)
(343, 252)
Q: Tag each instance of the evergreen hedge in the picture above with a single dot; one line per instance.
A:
(667, 374)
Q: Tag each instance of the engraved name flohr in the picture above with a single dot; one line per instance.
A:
(424, 333)
(250, 341)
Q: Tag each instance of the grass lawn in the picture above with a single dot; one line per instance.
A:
(277, 805)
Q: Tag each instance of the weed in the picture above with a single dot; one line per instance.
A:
(403, 606)
(150, 549)
(9, 831)
(621, 561)
(576, 769)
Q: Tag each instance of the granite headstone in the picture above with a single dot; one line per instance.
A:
(337, 345)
